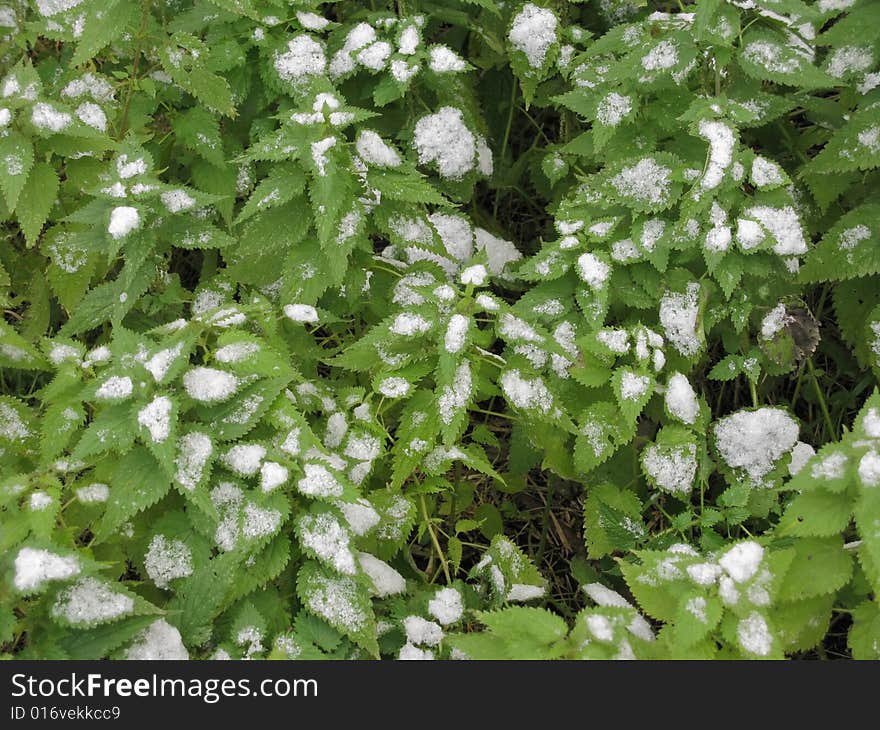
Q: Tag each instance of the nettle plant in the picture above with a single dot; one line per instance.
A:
(300, 298)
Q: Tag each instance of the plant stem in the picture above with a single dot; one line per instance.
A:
(822, 405)
(434, 539)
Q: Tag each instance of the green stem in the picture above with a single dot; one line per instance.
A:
(820, 396)
(434, 539)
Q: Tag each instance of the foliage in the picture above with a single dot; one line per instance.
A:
(303, 302)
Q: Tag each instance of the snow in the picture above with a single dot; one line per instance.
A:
(663, 55)
(194, 451)
(852, 237)
(374, 151)
(783, 224)
(92, 115)
(362, 446)
(161, 361)
(91, 601)
(126, 169)
(703, 574)
(766, 173)
(408, 652)
(304, 57)
(770, 56)
(514, 328)
(159, 641)
(116, 387)
(209, 385)
(678, 315)
(593, 270)
(445, 60)
(533, 32)
(871, 423)
(48, 8)
(754, 634)
(455, 233)
(245, 459)
(328, 540)
(409, 40)
(360, 515)
(40, 501)
(672, 468)
(755, 440)
(301, 312)
(167, 559)
(319, 153)
(93, 493)
(336, 600)
(613, 108)
(633, 386)
(407, 324)
(123, 220)
(446, 606)
(454, 397)
(526, 394)
(259, 522)
(444, 139)
(832, 466)
(456, 333)
(394, 387)
(848, 60)
(742, 561)
(403, 71)
(318, 482)
(869, 469)
(375, 55)
(311, 21)
(615, 340)
(422, 632)
(272, 475)
(681, 400)
(721, 143)
(646, 181)
(5, 116)
(34, 567)
(46, 116)
(487, 302)
(499, 252)
(774, 321)
(386, 580)
(236, 352)
(801, 453)
(156, 418)
(177, 200)
(748, 233)
(600, 627)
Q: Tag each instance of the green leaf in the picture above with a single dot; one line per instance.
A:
(16, 161)
(341, 602)
(138, 482)
(819, 567)
(36, 200)
(816, 514)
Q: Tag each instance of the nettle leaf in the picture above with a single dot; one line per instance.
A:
(862, 638)
(36, 200)
(770, 56)
(600, 434)
(633, 390)
(16, 161)
(817, 514)
(855, 146)
(819, 567)
(138, 482)
(181, 59)
(341, 601)
(849, 249)
(612, 520)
